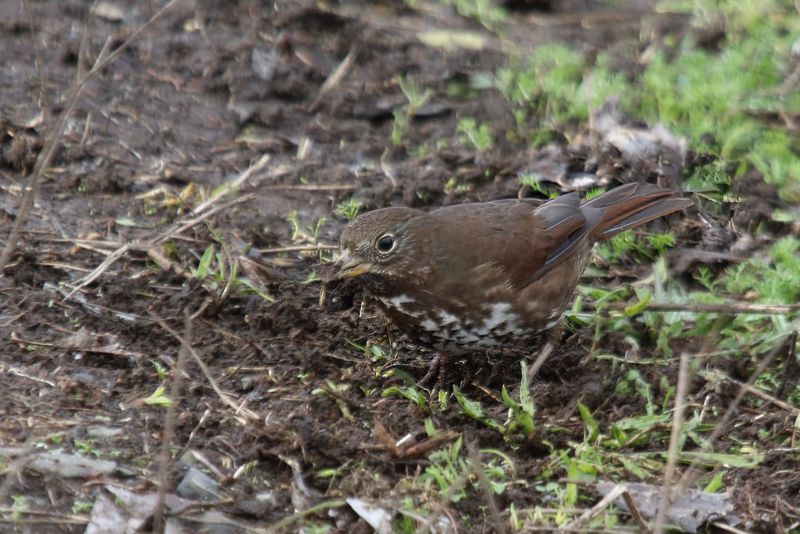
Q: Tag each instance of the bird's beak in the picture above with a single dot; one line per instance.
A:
(349, 266)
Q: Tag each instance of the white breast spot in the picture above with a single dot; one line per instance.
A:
(500, 314)
(399, 300)
(429, 325)
(500, 321)
(449, 318)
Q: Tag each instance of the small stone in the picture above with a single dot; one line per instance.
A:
(261, 505)
(246, 383)
(198, 486)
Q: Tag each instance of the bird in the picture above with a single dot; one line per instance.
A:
(481, 276)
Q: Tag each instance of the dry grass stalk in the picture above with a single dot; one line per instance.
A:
(728, 307)
(665, 500)
(595, 510)
(169, 427)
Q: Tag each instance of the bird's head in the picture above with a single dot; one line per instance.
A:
(377, 246)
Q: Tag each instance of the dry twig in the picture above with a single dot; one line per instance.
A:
(310, 187)
(334, 79)
(748, 388)
(486, 489)
(674, 443)
(79, 348)
(634, 511)
(594, 511)
(298, 248)
(727, 307)
(169, 428)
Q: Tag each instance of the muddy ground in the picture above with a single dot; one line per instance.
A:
(199, 98)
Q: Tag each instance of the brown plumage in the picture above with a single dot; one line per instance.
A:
(478, 276)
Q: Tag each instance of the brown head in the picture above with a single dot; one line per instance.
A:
(379, 246)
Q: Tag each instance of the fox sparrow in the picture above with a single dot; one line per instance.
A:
(479, 276)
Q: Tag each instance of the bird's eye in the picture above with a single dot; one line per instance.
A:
(386, 243)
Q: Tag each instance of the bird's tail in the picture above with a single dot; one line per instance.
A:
(629, 206)
(602, 217)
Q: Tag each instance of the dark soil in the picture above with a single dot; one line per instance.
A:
(197, 99)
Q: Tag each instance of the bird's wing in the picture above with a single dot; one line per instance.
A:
(503, 242)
